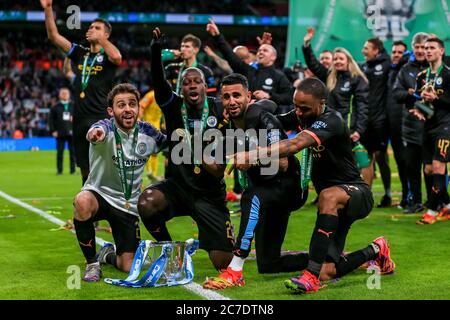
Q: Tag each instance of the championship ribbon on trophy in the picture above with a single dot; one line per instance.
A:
(169, 264)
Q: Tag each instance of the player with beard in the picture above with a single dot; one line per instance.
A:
(95, 68)
(119, 149)
(193, 187)
(343, 196)
(268, 199)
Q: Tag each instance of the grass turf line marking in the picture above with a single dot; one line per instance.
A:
(193, 287)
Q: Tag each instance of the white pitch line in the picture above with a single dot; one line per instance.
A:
(193, 287)
(45, 198)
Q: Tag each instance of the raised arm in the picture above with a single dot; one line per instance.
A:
(52, 31)
(221, 63)
(311, 61)
(235, 63)
(110, 50)
(163, 91)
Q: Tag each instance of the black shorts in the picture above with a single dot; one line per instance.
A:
(215, 231)
(436, 147)
(265, 214)
(124, 226)
(80, 143)
(376, 138)
(358, 207)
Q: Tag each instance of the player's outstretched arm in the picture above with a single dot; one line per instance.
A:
(96, 135)
(52, 31)
(244, 160)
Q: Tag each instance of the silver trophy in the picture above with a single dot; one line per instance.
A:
(426, 107)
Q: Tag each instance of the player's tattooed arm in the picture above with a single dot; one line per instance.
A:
(244, 160)
(290, 146)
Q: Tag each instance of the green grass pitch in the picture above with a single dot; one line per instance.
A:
(34, 260)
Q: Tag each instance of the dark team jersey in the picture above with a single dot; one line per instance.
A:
(333, 159)
(101, 81)
(203, 183)
(259, 116)
(441, 117)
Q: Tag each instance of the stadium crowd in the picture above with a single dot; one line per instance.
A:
(237, 7)
(31, 74)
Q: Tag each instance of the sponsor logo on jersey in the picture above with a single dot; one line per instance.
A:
(319, 125)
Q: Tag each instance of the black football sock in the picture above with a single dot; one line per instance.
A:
(156, 227)
(354, 260)
(326, 226)
(85, 232)
(428, 185)
(294, 262)
(111, 259)
(440, 181)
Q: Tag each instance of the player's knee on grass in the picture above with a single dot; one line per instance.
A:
(85, 205)
(124, 261)
(220, 259)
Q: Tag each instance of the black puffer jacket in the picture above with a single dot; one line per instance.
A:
(395, 109)
(349, 93)
(412, 128)
(268, 79)
(377, 72)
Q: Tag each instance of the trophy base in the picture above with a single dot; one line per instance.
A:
(426, 109)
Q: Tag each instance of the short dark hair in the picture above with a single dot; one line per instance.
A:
(400, 43)
(437, 40)
(195, 69)
(108, 26)
(377, 43)
(122, 88)
(314, 87)
(196, 42)
(235, 78)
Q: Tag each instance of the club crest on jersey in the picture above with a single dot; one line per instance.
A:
(378, 70)
(141, 148)
(100, 58)
(439, 81)
(346, 86)
(211, 121)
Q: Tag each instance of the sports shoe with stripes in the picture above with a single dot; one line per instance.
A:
(384, 261)
(305, 283)
(444, 214)
(228, 278)
(426, 219)
(93, 272)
